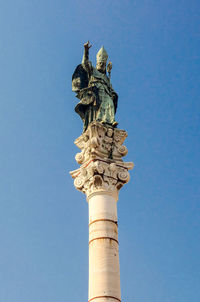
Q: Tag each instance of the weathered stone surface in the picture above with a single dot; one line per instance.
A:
(102, 168)
(101, 141)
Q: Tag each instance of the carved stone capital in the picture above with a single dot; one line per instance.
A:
(101, 175)
(101, 141)
(102, 168)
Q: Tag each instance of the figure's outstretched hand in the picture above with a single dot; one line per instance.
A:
(87, 45)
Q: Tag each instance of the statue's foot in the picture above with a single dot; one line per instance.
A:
(115, 124)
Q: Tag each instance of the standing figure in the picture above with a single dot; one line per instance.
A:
(98, 100)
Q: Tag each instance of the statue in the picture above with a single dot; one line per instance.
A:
(98, 100)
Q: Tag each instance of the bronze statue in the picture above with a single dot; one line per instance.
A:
(98, 100)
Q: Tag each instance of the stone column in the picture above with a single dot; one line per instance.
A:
(101, 175)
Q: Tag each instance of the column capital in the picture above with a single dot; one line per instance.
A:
(103, 176)
(102, 168)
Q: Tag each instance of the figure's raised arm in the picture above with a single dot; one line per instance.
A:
(87, 46)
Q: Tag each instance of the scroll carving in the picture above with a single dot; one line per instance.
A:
(102, 141)
(102, 168)
(99, 175)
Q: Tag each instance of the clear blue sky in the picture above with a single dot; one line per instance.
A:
(155, 50)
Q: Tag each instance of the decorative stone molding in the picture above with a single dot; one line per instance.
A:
(102, 168)
(98, 175)
(101, 141)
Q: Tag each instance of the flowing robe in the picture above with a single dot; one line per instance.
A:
(106, 94)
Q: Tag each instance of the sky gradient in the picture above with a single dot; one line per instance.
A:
(154, 47)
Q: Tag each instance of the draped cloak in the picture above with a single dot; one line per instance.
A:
(98, 100)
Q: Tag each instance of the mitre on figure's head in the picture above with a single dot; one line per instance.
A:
(102, 55)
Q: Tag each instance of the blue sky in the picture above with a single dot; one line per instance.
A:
(154, 47)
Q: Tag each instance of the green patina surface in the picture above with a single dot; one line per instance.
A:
(98, 100)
